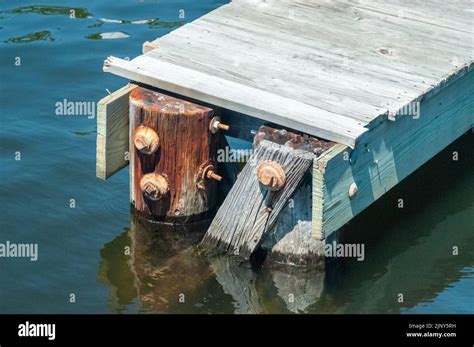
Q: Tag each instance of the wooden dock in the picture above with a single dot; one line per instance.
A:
(388, 83)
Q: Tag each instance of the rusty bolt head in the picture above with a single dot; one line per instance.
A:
(154, 186)
(146, 140)
(205, 174)
(271, 175)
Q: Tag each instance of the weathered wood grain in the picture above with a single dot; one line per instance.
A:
(249, 210)
(331, 69)
(112, 132)
(238, 97)
(186, 146)
(290, 243)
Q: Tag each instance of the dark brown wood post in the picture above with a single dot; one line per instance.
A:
(173, 146)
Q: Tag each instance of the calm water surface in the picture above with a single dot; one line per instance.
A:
(85, 250)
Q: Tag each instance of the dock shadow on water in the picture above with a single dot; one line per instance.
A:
(408, 251)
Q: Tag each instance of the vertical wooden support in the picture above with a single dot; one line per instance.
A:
(290, 241)
(173, 152)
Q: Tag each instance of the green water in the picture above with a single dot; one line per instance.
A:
(111, 262)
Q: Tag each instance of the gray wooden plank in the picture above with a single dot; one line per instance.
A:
(453, 15)
(401, 56)
(323, 92)
(338, 60)
(238, 97)
(112, 132)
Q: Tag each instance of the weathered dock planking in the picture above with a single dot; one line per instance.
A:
(330, 69)
(389, 83)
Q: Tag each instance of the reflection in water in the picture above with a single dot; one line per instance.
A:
(84, 133)
(114, 272)
(36, 36)
(155, 23)
(167, 274)
(80, 13)
(108, 36)
(167, 271)
(299, 290)
(408, 251)
(49, 10)
(152, 23)
(267, 291)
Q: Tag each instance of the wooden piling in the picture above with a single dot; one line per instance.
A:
(172, 158)
(289, 243)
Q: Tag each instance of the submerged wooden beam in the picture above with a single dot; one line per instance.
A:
(112, 132)
(391, 152)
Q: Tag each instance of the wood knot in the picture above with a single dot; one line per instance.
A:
(154, 186)
(146, 140)
(271, 175)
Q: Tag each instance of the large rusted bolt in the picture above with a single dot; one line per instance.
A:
(214, 176)
(146, 140)
(154, 186)
(271, 175)
(216, 124)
